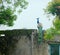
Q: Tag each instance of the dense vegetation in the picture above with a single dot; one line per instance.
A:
(54, 9)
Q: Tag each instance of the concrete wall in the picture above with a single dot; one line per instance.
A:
(57, 38)
(24, 47)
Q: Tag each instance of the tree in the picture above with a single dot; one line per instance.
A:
(7, 9)
(22, 4)
(54, 9)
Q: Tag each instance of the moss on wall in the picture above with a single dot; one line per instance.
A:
(11, 38)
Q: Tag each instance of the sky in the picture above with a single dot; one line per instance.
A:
(28, 18)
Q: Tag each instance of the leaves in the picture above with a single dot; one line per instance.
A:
(56, 23)
(7, 17)
(54, 9)
(49, 34)
(0, 1)
(7, 9)
(8, 1)
(51, 8)
(13, 4)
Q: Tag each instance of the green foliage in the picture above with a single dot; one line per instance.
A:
(54, 9)
(56, 23)
(22, 4)
(51, 8)
(7, 17)
(8, 8)
(49, 34)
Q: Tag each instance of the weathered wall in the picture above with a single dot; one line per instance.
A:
(57, 38)
(17, 42)
(43, 49)
(24, 44)
(24, 47)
